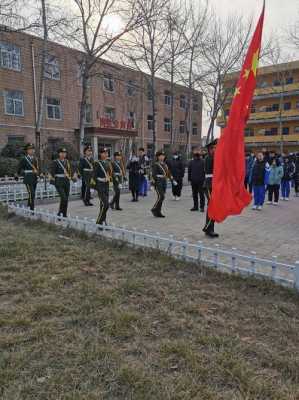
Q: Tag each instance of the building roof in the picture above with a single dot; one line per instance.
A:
(269, 69)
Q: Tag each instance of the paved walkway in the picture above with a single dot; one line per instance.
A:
(274, 231)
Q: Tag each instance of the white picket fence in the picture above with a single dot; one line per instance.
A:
(17, 192)
(214, 257)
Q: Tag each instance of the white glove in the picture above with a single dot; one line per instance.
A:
(174, 183)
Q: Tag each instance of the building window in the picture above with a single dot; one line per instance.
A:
(249, 132)
(182, 126)
(296, 129)
(289, 80)
(53, 108)
(285, 130)
(14, 103)
(276, 82)
(183, 101)
(194, 129)
(195, 104)
(167, 97)
(52, 69)
(10, 57)
(253, 109)
(287, 106)
(110, 113)
(167, 125)
(131, 88)
(149, 93)
(87, 113)
(108, 82)
(16, 140)
(271, 132)
(132, 119)
(275, 107)
(150, 122)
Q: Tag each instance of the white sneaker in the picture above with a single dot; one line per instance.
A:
(254, 207)
(282, 198)
(269, 202)
(275, 203)
(174, 198)
(287, 199)
(259, 208)
(178, 199)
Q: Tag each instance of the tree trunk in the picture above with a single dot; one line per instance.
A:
(172, 103)
(153, 89)
(40, 111)
(82, 109)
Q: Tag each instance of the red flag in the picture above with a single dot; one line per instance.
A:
(229, 195)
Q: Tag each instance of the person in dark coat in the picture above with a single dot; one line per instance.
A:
(134, 176)
(29, 169)
(296, 176)
(144, 167)
(61, 174)
(258, 180)
(86, 164)
(177, 170)
(288, 174)
(209, 171)
(102, 177)
(196, 176)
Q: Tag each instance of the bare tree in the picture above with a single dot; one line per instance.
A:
(174, 52)
(91, 32)
(194, 35)
(145, 49)
(222, 53)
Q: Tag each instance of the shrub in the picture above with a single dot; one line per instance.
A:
(13, 150)
(8, 166)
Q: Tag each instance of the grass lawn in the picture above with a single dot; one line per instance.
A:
(84, 319)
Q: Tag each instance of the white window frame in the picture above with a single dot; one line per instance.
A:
(167, 124)
(194, 126)
(52, 68)
(54, 107)
(182, 96)
(167, 98)
(108, 114)
(12, 54)
(108, 78)
(131, 86)
(150, 121)
(14, 101)
(182, 124)
(132, 118)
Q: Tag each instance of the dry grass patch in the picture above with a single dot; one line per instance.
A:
(85, 319)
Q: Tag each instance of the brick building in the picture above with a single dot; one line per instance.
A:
(119, 105)
(274, 118)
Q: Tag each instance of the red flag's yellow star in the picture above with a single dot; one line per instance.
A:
(237, 91)
(255, 62)
(246, 73)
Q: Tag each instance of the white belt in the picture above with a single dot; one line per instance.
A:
(87, 169)
(209, 176)
(161, 176)
(117, 174)
(102, 179)
(60, 176)
(28, 171)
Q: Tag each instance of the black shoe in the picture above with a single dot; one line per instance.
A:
(211, 234)
(90, 204)
(155, 214)
(160, 215)
(194, 209)
(111, 206)
(118, 209)
(85, 203)
(134, 200)
(202, 210)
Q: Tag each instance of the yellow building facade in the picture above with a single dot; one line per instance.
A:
(274, 118)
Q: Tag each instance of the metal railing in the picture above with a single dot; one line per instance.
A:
(17, 192)
(214, 257)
